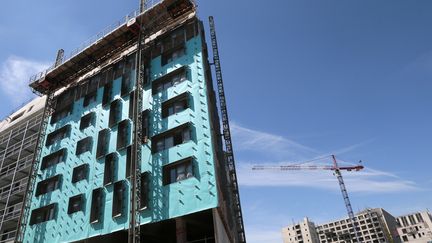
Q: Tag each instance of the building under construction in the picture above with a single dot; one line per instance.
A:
(130, 146)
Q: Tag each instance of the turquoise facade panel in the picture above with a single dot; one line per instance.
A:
(165, 201)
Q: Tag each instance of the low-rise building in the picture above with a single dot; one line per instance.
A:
(302, 232)
(415, 227)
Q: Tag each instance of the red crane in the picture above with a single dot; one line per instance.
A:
(337, 172)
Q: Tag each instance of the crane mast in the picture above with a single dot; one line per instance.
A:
(337, 172)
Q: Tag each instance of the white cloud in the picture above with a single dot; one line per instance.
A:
(14, 77)
(252, 140)
(367, 180)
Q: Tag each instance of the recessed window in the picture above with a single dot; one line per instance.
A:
(61, 113)
(126, 85)
(123, 138)
(53, 159)
(173, 54)
(84, 145)
(118, 69)
(107, 93)
(144, 189)
(76, 204)
(175, 105)
(48, 185)
(128, 161)
(171, 138)
(58, 135)
(118, 198)
(178, 171)
(80, 173)
(43, 214)
(18, 115)
(90, 98)
(131, 107)
(145, 124)
(110, 160)
(96, 205)
(87, 120)
(168, 80)
(103, 142)
(115, 113)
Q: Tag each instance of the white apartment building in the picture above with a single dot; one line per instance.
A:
(415, 227)
(302, 232)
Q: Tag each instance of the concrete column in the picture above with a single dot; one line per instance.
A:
(181, 233)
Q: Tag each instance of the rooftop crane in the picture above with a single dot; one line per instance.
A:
(337, 172)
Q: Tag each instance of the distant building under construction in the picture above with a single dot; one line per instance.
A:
(129, 146)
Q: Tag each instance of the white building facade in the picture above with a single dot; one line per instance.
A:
(415, 227)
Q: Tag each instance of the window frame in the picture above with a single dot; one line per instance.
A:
(77, 198)
(168, 168)
(43, 187)
(181, 72)
(144, 190)
(104, 136)
(123, 134)
(109, 168)
(172, 134)
(62, 113)
(52, 213)
(183, 98)
(118, 199)
(87, 120)
(46, 160)
(87, 142)
(76, 173)
(90, 98)
(53, 137)
(115, 114)
(96, 205)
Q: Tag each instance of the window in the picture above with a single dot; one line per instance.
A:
(43, 214)
(171, 138)
(87, 120)
(145, 124)
(115, 113)
(48, 185)
(76, 203)
(103, 142)
(118, 69)
(109, 168)
(131, 108)
(84, 145)
(123, 134)
(118, 197)
(90, 98)
(178, 171)
(175, 105)
(128, 161)
(96, 205)
(144, 190)
(80, 173)
(53, 159)
(61, 113)
(126, 85)
(107, 94)
(57, 135)
(173, 54)
(19, 115)
(168, 80)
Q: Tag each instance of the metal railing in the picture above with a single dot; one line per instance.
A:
(94, 39)
(10, 168)
(7, 236)
(18, 130)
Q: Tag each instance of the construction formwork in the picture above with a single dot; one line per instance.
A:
(18, 136)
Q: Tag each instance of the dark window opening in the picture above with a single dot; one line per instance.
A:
(131, 107)
(126, 85)
(130, 63)
(43, 214)
(18, 115)
(96, 205)
(58, 135)
(171, 138)
(123, 138)
(107, 94)
(144, 190)
(66, 98)
(168, 80)
(145, 124)
(173, 54)
(80, 173)
(103, 142)
(90, 98)
(53, 159)
(175, 105)
(87, 120)
(118, 198)
(178, 171)
(128, 161)
(109, 169)
(118, 69)
(84, 145)
(115, 113)
(76, 204)
(48, 185)
(61, 113)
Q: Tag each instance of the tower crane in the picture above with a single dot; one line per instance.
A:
(337, 172)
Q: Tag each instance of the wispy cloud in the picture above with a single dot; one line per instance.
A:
(368, 180)
(14, 75)
(247, 139)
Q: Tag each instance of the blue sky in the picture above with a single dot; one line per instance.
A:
(304, 78)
